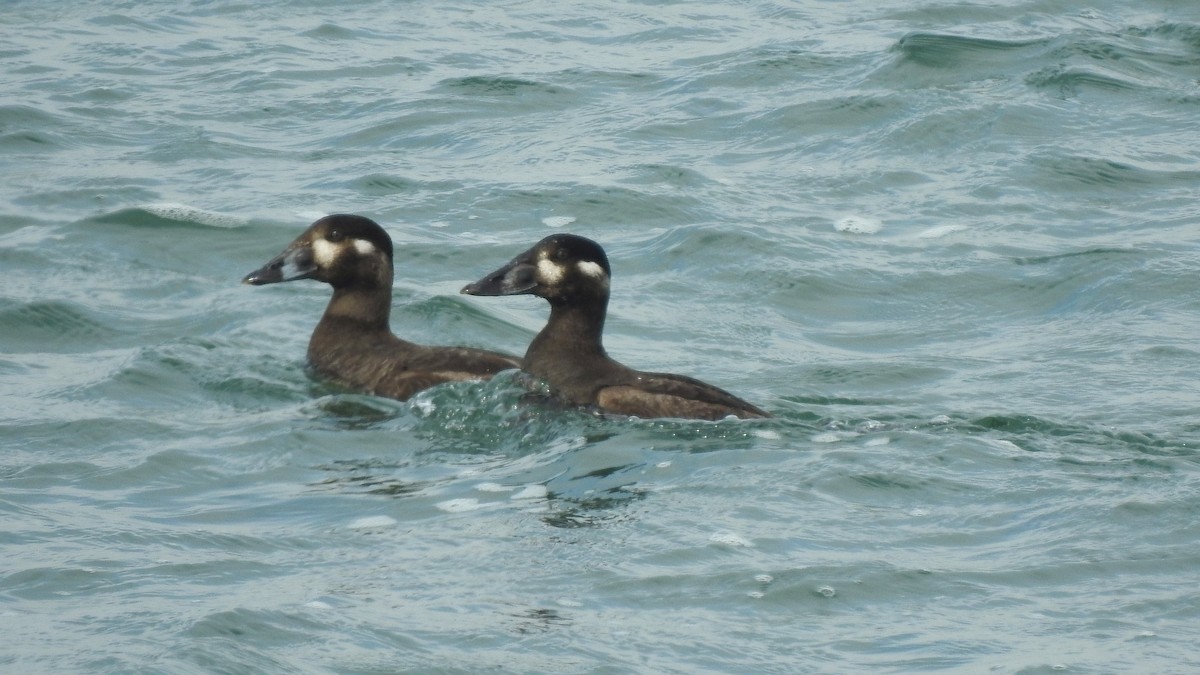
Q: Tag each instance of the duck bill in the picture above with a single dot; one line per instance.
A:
(515, 278)
(294, 263)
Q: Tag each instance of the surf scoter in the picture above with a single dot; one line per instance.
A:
(573, 274)
(353, 344)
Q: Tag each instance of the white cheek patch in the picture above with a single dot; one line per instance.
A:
(324, 252)
(364, 247)
(549, 272)
(592, 269)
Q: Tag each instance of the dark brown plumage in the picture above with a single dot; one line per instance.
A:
(353, 345)
(573, 273)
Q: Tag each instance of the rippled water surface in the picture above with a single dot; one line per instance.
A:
(952, 247)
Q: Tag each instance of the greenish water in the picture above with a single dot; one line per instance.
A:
(952, 247)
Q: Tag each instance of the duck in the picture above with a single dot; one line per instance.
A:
(572, 273)
(353, 345)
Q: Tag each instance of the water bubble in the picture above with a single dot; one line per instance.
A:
(756, 594)
(827, 591)
(663, 465)
(940, 419)
(764, 578)
(918, 512)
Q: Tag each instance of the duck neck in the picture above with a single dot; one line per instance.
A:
(574, 328)
(369, 308)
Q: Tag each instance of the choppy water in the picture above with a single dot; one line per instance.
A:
(952, 246)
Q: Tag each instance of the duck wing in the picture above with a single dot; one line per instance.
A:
(667, 395)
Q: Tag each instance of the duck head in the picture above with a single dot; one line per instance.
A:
(340, 250)
(563, 268)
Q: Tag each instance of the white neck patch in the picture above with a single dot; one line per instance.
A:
(592, 269)
(549, 272)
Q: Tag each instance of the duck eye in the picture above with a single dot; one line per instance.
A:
(558, 255)
(335, 235)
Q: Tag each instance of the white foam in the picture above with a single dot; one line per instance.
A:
(371, 523)
(191, 214)
(534, 491)
(30, 235)
(558, 221)
(859, 225)
(459, 505)
(730, 539)
(833, 436)
(939, 231)
(492, 487)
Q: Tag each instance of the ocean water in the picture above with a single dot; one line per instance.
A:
(951, 246)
